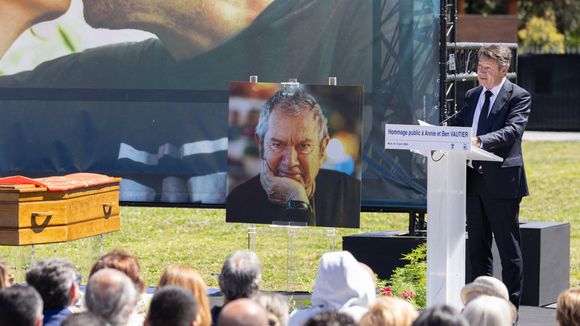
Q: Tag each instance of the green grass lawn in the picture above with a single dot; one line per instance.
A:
(202, 239)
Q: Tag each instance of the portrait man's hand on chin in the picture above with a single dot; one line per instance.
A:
(280, 189)
(292, 136)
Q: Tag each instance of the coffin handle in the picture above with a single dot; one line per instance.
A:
(108, 208)
(36, 216)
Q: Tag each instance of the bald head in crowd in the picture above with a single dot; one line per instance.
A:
(111, 295)
(243, 312)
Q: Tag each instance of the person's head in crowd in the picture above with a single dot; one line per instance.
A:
(486, 310)
(85, 318)
(292, 135)
(276, 307)
(341, 284)
(187, 27)
(484, 285)
(240, 276)
(330, 318)
(55, 281)
(493, 65)
(568, 307)
(191, 280)
(17, 16)
(172, 306)
(440, 315)
(243, 312)
(489, 286)
(123, 261)
(390, 311)
(111, 295)
(20, 305)
(5, 277)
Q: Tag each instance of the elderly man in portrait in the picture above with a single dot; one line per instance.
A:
(292, 136)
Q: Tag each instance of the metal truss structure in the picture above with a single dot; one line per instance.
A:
(460, 63)
(407, 30)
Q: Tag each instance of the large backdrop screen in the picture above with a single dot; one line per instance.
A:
(141, 91)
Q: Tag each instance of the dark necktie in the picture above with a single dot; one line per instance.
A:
(483, 114)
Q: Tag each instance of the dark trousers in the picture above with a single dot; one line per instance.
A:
(487, 215)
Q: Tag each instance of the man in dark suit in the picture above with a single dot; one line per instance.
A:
(497, 111)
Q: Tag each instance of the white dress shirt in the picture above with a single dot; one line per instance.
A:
(480, 102)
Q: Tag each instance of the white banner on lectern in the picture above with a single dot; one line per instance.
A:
(427, 137)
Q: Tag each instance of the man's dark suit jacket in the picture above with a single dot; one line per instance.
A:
(501, 135)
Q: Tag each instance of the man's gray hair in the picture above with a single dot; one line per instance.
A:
(500, 54)
(53, 279)
(293, 102)
(111, 295)
(489, 310)
(240, 275)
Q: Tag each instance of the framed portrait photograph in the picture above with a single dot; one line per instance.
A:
(294, 154)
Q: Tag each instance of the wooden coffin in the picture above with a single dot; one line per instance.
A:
(31, 214)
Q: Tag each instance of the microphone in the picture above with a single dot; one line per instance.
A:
(444, 122)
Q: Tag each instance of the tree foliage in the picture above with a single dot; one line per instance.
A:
(541, 34)
(566, 15)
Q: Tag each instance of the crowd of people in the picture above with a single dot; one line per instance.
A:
(343, 294)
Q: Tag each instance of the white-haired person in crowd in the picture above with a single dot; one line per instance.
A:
(111, 295)
(239, 278)
(488, 286)
(342, 284)
(390, 311)
(243, 312)
(487, 310)
(276, 307)
(172, 305)
(568, 307)
(55, 281)
(20, 305)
